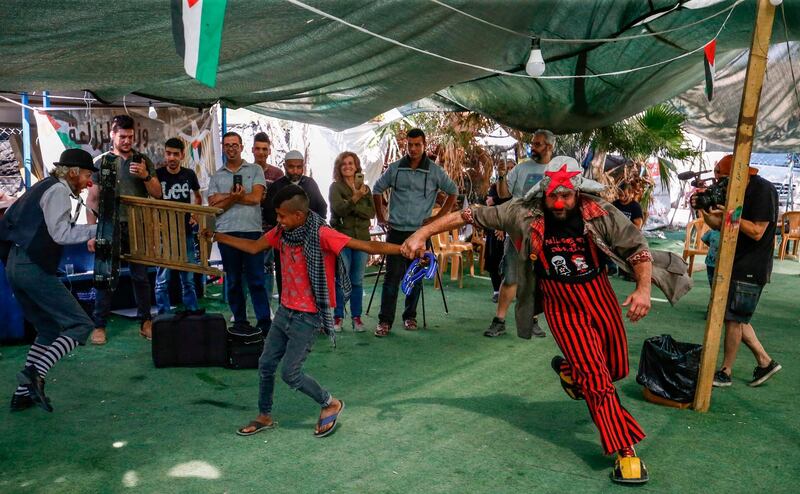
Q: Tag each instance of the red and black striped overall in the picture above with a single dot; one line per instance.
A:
(586, 322)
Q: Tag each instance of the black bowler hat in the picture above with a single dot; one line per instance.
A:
(76, 157)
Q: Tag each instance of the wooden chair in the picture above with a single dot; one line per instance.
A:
(692, 244)
(790, 232)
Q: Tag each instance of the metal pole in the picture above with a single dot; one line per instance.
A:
(26, 141)
(790, 192)
(429, 245)
(422, 296)
(745, 131)
(375, 286)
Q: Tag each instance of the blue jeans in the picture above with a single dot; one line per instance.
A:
(396, 267)
(240, 266)
(187, 283)
(269, 269)
(355, 261)
(290, 339)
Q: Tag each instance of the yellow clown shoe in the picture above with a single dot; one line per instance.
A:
(629, 468)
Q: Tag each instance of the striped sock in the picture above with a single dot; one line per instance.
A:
(60, 347)
(34, 355)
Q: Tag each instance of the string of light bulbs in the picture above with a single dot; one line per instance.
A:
(586, 40)
(535, 65)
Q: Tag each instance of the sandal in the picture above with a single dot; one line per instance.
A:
(258, 427)
(146, 329)
(382, 329)
(328, 420)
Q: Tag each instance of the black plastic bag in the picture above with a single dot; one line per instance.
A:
(668, 368)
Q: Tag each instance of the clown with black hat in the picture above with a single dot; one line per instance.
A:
(32, 234)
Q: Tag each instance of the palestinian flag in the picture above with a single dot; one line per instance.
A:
(710, 50)
(66, 140)
(197, 30)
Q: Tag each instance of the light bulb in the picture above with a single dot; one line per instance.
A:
(151, 112)
(535, 66)
(775, 3)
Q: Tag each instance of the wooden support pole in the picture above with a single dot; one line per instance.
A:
(748, 113)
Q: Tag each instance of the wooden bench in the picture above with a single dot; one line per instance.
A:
(157, 234)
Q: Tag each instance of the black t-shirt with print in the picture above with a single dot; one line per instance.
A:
(566, 251)
(632, 210)
(179, 187)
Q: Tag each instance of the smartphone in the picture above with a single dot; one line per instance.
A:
(237, 180)
(359, 180)
(136, 158)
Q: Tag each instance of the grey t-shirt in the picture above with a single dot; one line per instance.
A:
(239, 217)
(524, 176)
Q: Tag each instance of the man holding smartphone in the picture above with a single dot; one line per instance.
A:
(136, 176)
(238, 188)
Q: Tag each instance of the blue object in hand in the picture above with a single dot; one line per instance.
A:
(417, 271)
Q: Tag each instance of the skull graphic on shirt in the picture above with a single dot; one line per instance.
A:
(560, 265)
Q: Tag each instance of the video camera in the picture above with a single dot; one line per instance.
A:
(713, 195)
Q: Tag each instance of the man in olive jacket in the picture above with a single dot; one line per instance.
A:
(564, 236)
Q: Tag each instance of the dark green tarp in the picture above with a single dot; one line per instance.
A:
(297, 65)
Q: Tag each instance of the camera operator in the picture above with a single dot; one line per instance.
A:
(752, 264)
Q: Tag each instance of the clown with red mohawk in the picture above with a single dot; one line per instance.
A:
(565, 234)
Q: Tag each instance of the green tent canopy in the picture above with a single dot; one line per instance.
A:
(285, 61)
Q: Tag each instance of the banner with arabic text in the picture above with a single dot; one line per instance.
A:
(91, 130)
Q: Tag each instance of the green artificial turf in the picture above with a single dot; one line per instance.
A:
(440, 410)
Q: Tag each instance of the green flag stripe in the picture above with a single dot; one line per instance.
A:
(210, 41)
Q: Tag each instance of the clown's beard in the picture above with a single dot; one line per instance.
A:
(562, 214)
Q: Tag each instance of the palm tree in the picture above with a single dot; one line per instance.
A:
(658, 131)
(452, 137)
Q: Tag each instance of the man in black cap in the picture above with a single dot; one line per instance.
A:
(32, 234)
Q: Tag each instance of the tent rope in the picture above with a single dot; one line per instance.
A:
(586, 40)
(332, 17)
